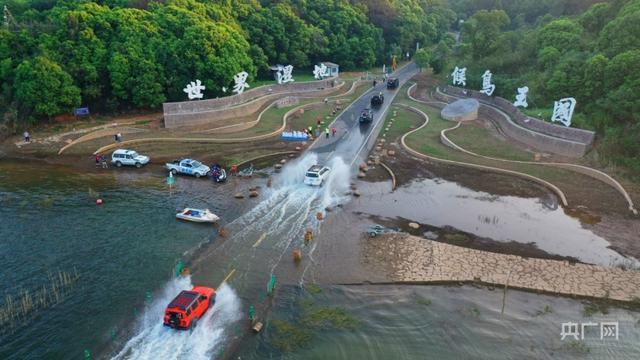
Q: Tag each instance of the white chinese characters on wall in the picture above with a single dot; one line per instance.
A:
(563, 111)
(459, 76)
(284, 74)
(240, 80)
(194, 90)
(521, 98)
(320, 72)
(487, 87)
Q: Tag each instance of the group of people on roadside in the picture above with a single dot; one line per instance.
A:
(101, 161)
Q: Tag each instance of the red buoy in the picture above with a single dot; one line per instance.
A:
(98, 201)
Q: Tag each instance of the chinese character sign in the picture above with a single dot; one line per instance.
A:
(284, 74)
(575, 331)
(320, 72)
(240, 80)
(487, 87)
(194, 90)
(563, 111)
(521, 98)
(459, 76)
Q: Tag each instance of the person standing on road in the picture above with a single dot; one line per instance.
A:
(333, 131)
(374, 82)
(27, 137)
(326, 132)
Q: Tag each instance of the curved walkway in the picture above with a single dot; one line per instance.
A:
(414, 152)
(226, 140)
(250, 124)
(593, 173)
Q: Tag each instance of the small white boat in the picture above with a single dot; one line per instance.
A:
(197, 215)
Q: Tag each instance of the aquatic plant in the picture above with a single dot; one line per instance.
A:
(327, 317)
(595, 307)
(313, 288)
(288, 336)
(547, 309)
(473, 311)
(27, 303)
(425, 302)
(577, 347)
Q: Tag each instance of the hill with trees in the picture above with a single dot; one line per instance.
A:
(115, 55)
(593, 56)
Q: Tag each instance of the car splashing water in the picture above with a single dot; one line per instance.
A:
(153, 340)
(257, 243)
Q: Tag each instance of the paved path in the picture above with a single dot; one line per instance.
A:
(352, 139)
(418, 260)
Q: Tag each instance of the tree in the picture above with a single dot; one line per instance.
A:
(43, 86)
(562, 34)
(423, 58)
(482, 31)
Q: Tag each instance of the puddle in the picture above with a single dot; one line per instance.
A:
(539, 221)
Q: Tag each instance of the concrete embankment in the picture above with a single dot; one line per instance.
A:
(410, 259)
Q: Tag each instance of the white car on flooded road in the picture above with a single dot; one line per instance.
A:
(316, 175)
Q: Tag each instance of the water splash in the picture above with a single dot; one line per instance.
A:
(336, 185)
(292, 174)
(155, 341)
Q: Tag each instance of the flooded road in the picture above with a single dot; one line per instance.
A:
(126, 249)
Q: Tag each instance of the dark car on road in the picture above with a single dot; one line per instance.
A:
(366, 116)
(377, 100)
(393, 83)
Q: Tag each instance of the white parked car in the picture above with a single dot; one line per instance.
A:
(128, 157)
(316, 175)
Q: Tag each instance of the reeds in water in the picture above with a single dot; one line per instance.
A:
(16, 310)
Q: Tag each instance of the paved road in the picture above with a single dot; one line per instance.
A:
(352, 139)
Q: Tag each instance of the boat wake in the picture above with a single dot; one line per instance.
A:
(153, 340)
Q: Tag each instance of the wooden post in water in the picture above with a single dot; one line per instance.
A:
(504, 294)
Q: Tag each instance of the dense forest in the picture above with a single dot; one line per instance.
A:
(117, 55)
(592, 55)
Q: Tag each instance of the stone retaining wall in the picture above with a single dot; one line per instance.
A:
(418, 260)
(568, 133)
(215, 111)
(544, 136)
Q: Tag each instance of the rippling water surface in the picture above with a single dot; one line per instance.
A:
(123, 251)
(438, 322)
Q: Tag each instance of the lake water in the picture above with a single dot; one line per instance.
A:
(125, 251)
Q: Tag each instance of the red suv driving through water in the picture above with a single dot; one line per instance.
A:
(184, 311)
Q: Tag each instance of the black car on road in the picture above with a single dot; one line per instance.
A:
(377, 100)
(393, 83)
(366, 116)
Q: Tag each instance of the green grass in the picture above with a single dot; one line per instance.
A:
(481, 141)
(427, 141)
(540, 113)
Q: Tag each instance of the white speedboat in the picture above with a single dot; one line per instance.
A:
(197, 215)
